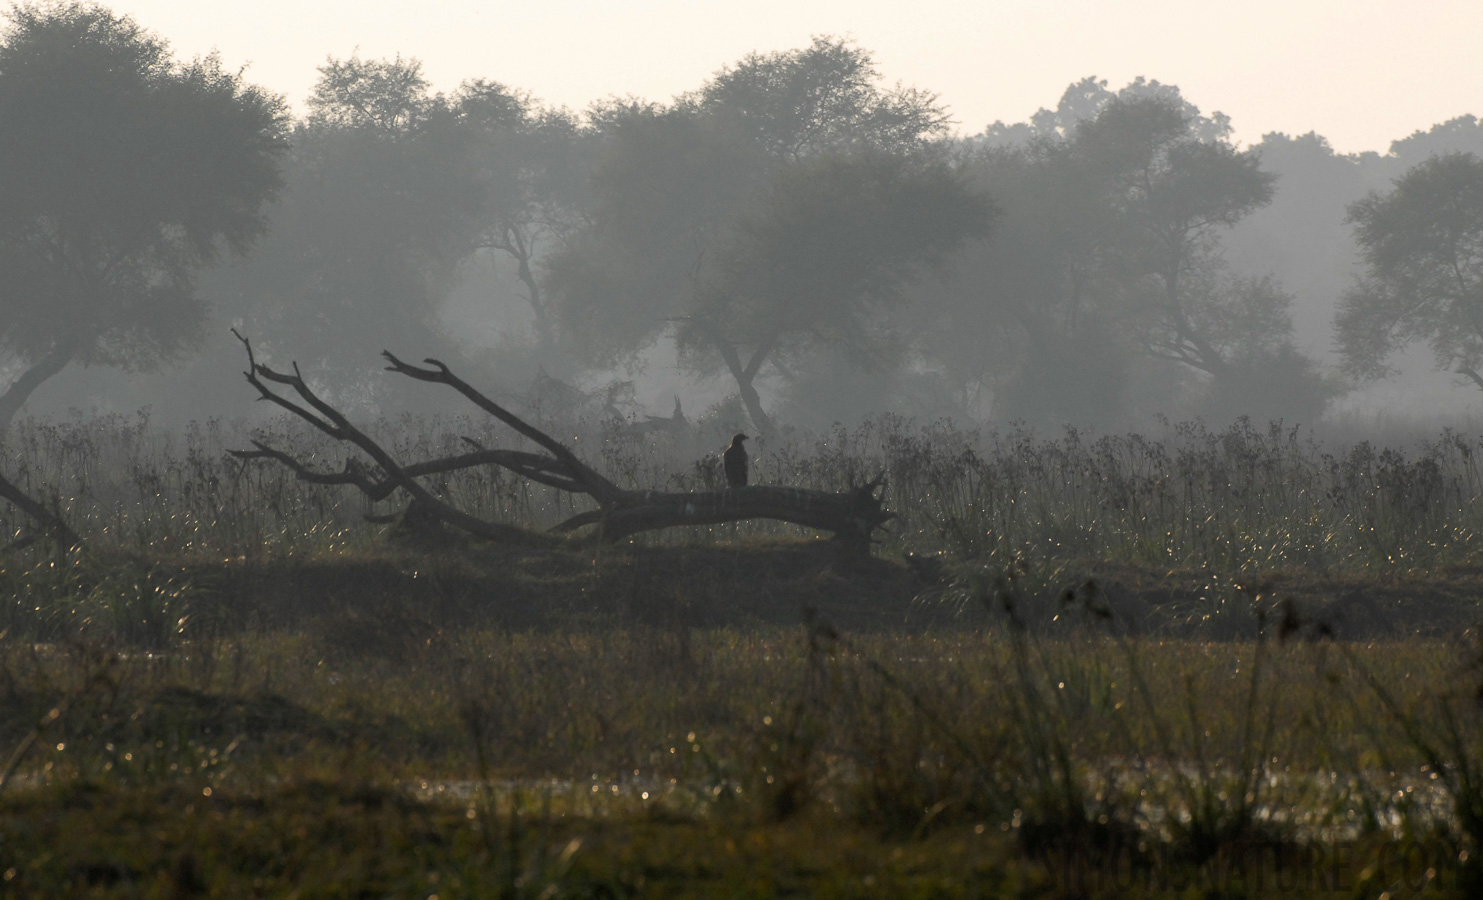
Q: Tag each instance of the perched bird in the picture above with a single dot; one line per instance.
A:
(735, 462)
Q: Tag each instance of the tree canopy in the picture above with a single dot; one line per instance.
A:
(794, 225)
(1107, 276)
(122, 173)
(775, 209)
(382, 203)
(1172, 193)
(391, 190)
(826, 96)
(1422, 245)
(532, 165)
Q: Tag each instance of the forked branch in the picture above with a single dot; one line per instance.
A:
(852, 516)
(330, 421)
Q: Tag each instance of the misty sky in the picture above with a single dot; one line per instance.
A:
(1360, 72)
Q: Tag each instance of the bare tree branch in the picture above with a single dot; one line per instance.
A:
(599, 487)
(853, 516)
(337, 426)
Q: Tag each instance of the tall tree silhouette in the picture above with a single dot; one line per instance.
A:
(1422, 245)
(774, 210)
(122, 173)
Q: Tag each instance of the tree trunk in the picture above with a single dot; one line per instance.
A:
(21, 389)
(545, 337)
(745, 375)
(852, 516)
(753, 402)
(521, 248)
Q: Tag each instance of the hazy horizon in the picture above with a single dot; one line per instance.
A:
(1362, 80)
(1361, 74)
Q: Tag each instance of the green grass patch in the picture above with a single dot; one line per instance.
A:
(1232, 663)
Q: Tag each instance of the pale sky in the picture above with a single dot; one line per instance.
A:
(1360, 72)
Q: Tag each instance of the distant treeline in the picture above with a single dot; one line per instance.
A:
(816, 241)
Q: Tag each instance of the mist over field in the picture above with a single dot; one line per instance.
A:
(1098, 508)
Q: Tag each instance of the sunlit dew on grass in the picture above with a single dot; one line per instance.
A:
(1209, 507)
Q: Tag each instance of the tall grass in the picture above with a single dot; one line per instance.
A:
(1239, 500)
(1087, 747)
(115, 677)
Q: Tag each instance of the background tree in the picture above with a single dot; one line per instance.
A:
(1021, 319)
(821, 259)
(1300, 237)
(1422, 246)
(385, 95)
(1085, 100)
(768, 212)
(665, 183)
(532, 163)
(1463, 134)
(383, 201)
(824, 97)
(1109, 266)
(1173, 193)
(122, 173)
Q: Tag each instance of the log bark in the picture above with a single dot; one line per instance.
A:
(48, 520)
(852, 516)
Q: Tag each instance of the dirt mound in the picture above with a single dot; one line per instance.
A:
(1201, 604)
(218, 718)
(397, 593)
(389, 599)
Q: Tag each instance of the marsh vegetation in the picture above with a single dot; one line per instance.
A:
(1151, 658)
(1137, 661)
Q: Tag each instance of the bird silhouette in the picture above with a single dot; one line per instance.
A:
(735, 462)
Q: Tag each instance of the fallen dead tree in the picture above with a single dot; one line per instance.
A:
(50, 522)
(852, 516)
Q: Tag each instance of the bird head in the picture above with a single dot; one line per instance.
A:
(738, 438)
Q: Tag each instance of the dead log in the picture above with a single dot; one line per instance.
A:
(852, 516)
(49, 521)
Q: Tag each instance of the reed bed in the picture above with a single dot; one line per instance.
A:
(1234, 500)
(620, 753)
(1103, 750)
